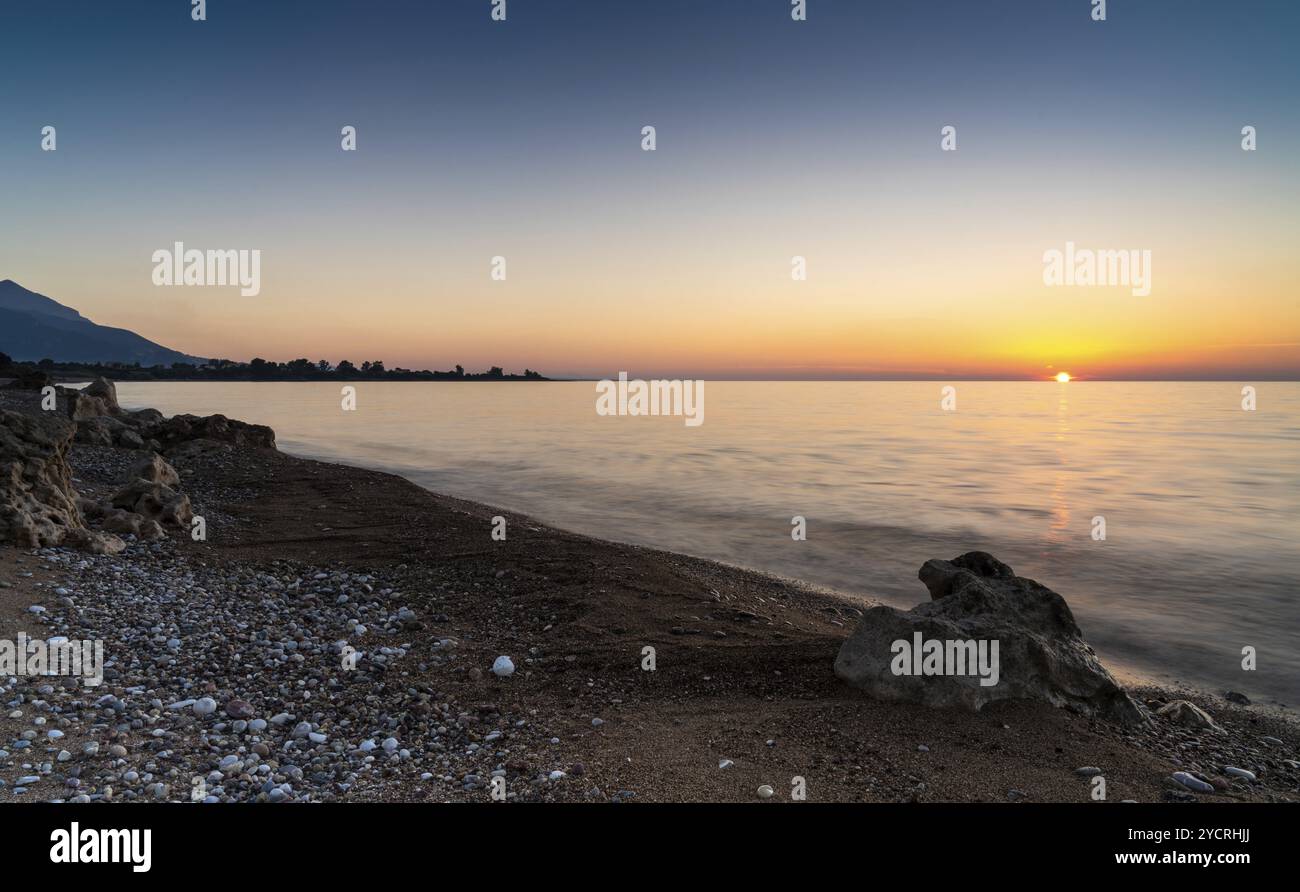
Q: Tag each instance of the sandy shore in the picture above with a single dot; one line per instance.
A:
(300, 551)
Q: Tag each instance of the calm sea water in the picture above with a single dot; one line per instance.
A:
(1201, 499)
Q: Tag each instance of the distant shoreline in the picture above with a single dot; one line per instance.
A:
(63, 372)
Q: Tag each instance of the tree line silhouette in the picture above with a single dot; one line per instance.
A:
(256, 370)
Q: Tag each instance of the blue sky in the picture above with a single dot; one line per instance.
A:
(521, 138)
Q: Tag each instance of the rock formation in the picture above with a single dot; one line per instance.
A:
(1040, 652)
(97, 399)
(181, 428)
(38, 506)
(155, 501)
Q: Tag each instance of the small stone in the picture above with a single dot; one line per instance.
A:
(1240, 772)
(239, 709)
(766, 792)
(1186, 713)
(503, 667)
(204, 706)
(1192, 782)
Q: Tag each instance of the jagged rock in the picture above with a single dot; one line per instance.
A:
(89, 508)
(156, 470)
(180, 428)
(107, 430)
(1184, 712)
(144, 418)
(103, 389)
(96, 399)
(1041, 652)
(97, 431)
(38, 506)
(82, 408)
(119, 520)
(155, 501)
(93, 541)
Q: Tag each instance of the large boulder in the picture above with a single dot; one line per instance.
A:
(103, 389)
(985, 635)
(94, 400)
(38, 505)
(155, 501)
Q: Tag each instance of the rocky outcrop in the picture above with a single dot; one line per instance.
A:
(181, 428)
(38, 505)
(102, 422)
(985, 635)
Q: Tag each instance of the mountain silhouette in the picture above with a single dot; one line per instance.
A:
(34, 327)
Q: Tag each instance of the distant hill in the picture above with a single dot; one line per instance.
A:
(34, 327)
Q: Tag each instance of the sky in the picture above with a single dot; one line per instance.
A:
(774, 139)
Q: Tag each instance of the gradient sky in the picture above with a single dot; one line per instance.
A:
(775, 138)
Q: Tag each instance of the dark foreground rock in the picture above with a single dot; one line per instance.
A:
(183, 428)
(1040, 651)
(38, 506)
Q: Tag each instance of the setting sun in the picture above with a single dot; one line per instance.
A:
(1062, 377)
